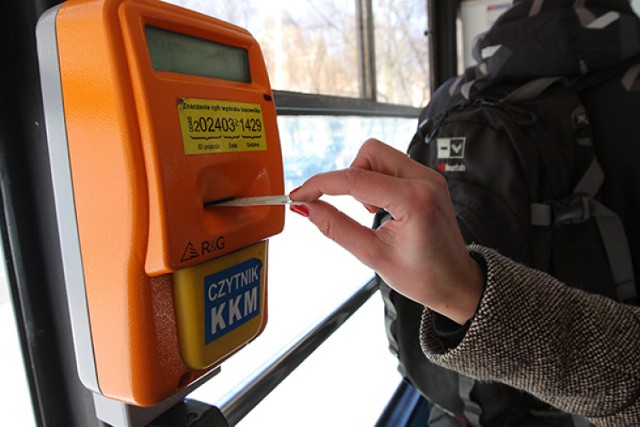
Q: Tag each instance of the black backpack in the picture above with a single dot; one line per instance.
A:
(524, 180)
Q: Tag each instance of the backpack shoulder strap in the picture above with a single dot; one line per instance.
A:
(532, 89)
(616, 245)
(582, 206)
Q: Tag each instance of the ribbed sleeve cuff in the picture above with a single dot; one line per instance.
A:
(534, 333)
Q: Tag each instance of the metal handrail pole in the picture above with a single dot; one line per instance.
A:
(240, 401)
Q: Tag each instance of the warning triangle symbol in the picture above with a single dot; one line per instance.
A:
(190, 252)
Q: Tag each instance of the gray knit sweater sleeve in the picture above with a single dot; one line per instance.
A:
(577, 351)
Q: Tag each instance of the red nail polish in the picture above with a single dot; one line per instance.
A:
(295, 189)
(300, 210)
(370, 209)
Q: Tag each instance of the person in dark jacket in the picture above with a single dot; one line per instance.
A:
(577, 351)
(535, 38)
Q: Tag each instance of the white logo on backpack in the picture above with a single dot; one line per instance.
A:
(451, 148)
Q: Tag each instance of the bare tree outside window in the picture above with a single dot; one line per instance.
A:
(310, 46)
(402, 52)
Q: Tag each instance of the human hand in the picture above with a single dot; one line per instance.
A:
(420, 252)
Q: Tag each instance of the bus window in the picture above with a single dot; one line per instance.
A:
(309, 47)
(402, 54)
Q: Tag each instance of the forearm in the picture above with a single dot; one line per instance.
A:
(577, 351)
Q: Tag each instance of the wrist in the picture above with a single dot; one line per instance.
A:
(464, 303)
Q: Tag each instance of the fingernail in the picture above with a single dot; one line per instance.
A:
(300, 210)
(294, 190)
(370, 209)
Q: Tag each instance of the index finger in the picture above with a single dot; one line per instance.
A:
(377, 156)
(368, 187)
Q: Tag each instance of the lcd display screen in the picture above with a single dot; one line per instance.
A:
(180, 53)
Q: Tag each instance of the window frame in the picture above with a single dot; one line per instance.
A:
(29, 232)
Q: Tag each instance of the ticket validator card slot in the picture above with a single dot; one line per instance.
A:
(171, 109)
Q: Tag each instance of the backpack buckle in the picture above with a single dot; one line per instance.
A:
(573, 209)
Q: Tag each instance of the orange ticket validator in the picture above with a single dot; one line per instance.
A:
(151, 111)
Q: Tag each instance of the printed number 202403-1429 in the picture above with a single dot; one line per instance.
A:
(223, 124)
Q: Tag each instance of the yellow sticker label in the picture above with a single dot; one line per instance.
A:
(211, 126)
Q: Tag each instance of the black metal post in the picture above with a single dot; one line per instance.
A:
(366, 50)
(442, 40)
(28, 227)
